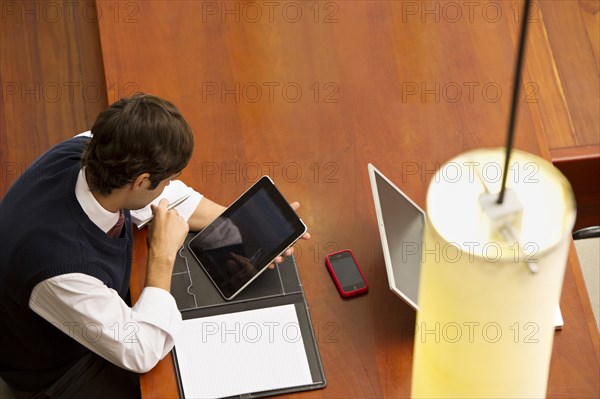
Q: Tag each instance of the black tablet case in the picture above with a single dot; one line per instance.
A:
(196, 296)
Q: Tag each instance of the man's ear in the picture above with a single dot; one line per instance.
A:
(141, 182)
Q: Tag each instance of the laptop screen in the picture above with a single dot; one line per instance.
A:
(401, 224)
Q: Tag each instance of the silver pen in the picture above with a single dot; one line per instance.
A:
(171, 206)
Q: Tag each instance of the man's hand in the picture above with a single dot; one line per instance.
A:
(166, 235)
(295, 206)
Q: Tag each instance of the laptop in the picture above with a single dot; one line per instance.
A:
(401, 223)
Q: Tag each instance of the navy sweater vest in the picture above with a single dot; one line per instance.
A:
(44, 233)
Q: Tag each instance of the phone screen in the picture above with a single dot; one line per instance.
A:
(347, 272)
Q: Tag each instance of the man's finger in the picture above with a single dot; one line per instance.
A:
(162, 204)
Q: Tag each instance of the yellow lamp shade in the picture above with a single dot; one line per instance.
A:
(490, 281)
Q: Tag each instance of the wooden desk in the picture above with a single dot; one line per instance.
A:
(309, 93)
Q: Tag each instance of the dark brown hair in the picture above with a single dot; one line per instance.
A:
(135, 135)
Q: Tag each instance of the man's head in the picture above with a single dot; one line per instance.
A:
(142, 141)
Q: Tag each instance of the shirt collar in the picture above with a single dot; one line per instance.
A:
(102, 218)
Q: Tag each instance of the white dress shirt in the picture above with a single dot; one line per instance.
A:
(94, 315)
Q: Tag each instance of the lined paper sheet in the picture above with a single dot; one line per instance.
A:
(244, 352)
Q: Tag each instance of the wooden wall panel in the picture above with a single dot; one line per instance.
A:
(562, 64)
(52, 78)
(572, 29)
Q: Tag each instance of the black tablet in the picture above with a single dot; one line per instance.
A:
(241, 243)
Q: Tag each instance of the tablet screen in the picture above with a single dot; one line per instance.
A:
(246, 238)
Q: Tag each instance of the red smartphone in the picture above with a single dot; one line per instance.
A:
(346, 273)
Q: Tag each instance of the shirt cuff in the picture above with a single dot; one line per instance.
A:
(158, 307)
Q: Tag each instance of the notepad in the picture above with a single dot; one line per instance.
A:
(244, 352)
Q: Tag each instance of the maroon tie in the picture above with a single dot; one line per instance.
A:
(115, 231)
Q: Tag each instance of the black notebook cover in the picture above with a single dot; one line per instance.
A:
(196, 296)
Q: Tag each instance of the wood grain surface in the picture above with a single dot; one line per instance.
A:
(310, 92)
(52, 80)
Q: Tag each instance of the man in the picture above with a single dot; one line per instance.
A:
(66, 330)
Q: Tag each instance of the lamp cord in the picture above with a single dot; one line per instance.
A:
(515, 99)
